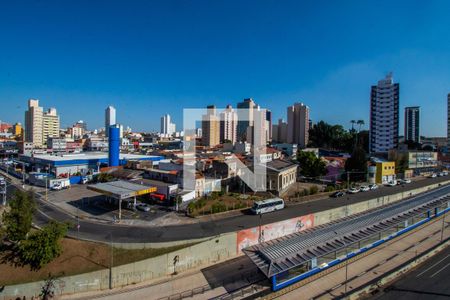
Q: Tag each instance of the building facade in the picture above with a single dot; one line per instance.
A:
(110, 118)
(34, 123)
(50, 124)
(245, 117)
(228, 125)
(210, 127)
(298, 125)
(412, 124)
(167, 127)
(384, 115)
(448, 120)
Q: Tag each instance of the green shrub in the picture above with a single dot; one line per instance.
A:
(313, 190)
(305, 192)
(329, 188)
(218, 207)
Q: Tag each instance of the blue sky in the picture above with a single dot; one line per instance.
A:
(148, 58)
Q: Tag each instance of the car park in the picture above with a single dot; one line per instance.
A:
(364, 188)
(353, 190)
(373, 186)
(337, 194)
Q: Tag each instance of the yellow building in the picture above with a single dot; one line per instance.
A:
(17, 129)
(385, 172)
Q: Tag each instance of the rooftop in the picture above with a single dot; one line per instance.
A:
(89, 156)
(121, 189)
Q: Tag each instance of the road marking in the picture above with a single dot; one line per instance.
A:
(441, 269)
(432, 266)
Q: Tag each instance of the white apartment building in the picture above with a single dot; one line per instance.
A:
(298, 125)
(34, 123)
(384, 115)
(167, 127)
(228, 125)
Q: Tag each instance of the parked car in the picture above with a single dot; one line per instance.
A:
(433, 175)
(404, 181)
(143, 207)
(445, 173)
(365, 188)
(392, 183)
(373, 186)
(353, 190)
(337, 194)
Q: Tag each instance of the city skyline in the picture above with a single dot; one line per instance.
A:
(264, 52)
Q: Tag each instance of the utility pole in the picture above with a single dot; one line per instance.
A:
(443, 226)
(111, 263)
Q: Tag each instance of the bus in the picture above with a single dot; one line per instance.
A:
(268, 205)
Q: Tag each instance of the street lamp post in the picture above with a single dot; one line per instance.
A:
(443, 226)
(111, 263)
(346, 264)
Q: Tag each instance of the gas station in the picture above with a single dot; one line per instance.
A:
(121, 190)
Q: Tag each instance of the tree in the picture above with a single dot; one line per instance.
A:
(357, 163)
(401, 164)
(43, 246)
(20, 216)
(310, 165)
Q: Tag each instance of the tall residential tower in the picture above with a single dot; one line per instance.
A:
(412, 124)
(298, 125)
(384, 115)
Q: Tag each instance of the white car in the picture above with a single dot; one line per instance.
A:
(407, 180)
(353, 190)
(432, 175)
(373, 186)
(392, 183)
(445, 173)
(365, 188)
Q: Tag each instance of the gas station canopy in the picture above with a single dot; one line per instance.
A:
(121, 190)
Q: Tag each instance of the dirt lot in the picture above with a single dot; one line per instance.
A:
(77, 257)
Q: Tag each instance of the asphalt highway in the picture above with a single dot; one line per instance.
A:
(138, 234)
(429, 281)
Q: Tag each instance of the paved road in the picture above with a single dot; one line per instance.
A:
(430, 281)
(138, 234)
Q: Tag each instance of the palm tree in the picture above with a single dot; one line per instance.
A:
(353, 124)
(360, 123)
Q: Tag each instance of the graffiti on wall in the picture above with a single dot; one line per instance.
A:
(252, 236)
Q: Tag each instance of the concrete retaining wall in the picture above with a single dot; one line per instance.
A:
(209, 252)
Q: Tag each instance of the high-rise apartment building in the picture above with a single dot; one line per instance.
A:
(268, 125)
(210, 127)
(448, 120)
(384, 115)
(298, 125)
(279, 131)
(110, 118)
(245, 118)
(50, 124)
(34, 123)
(228, 125)
(167, 127)
(412, 124)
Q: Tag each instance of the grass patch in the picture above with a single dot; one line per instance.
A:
(77, 257)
